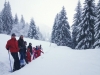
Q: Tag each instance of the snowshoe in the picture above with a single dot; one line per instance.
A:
(22, 66)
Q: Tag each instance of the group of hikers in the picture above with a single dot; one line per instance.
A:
(18, 47)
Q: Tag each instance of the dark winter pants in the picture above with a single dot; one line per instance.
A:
(16, 61)
(23, 56)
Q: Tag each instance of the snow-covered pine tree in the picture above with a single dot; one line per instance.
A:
(85, 37)
(1, 23)
(39, 34)
(16, 19)
(7, 18)
(54, 30)
(63, 30)
(22, 22)
(32, 33)
(77, 20)
(20, 28)
(97, 27)
(25, 30)
(16, 29)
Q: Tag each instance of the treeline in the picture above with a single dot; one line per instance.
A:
(83, 34)
(85, 29)
(10, 24)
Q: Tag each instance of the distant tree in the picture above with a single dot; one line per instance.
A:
(22, 22)
(1, 24)
(7, 18)
(16, 19)
(20, 28)
(85, 37)
(54, 30)
(77, 21)
(17, 29)
(39, 34)
(32, 33)
(25, 30)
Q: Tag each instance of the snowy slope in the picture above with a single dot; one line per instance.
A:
(55, 61)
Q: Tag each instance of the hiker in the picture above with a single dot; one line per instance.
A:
(39, 51)
(25, 43)
(21, 50)
(28, 55)
(34, 53)
(30, 47)
(41, 47)
(12, 46)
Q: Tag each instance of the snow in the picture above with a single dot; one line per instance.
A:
(55, 60)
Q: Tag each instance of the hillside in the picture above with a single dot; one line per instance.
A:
(55, 60)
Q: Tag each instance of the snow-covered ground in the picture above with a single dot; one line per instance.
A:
(55, 60)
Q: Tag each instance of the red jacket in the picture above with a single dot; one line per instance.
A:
(12, 45)
(28, 55)
(34, 53)
(39, 52)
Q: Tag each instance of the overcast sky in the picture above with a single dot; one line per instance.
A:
(43, 11)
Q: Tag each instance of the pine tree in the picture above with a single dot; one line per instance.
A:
(26, 29)
(0, 24)
(16, 19)
(32, 33)
(39, 34)
(22, 19)
(97, 27)
(63, 34)
(7, 18)
(22, 22)
(54, 30)
(20, 28)
(15, 28)
(77, 20)
(85, 37)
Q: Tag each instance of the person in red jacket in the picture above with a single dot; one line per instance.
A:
(12, 46)
(34, 53)
(39, 51)
(28, 56)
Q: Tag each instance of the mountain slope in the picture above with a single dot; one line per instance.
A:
(55, 60)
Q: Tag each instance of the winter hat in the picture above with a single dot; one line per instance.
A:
(30, 43)
(13, 34)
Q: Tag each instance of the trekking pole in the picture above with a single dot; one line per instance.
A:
(10, 61)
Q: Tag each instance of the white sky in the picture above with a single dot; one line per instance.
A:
(43, 11)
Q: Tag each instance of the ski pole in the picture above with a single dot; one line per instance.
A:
(9, 60)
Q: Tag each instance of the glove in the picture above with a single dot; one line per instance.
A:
(7, 48)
